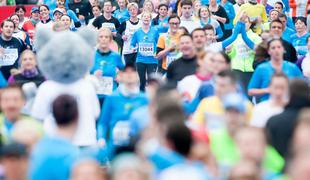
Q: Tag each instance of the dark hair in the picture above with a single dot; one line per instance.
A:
(184, 29)
(188, 35)
(18, 7)
(209, 27)
(299, 93)
(198, 29)
(44, 5)
(105, 1)
(280, 3)
(12, 16)
(162, 5)
(229, 74)
(302, 19)
(276, 21)
(225, 56)
(97, 6)
(186, 2)
(180, 136)
(156, 19)
(16, 87)
(282, 15)
(272, 40)
(172, 16)
(7, 20)
(65, 110)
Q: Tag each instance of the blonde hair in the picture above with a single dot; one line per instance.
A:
(25, 52)
(146, 13)
(132, 4)
(107, 30)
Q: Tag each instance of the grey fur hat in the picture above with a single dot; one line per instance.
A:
(65, 56)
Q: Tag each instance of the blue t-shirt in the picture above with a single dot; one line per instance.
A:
(263, 73)
(286, 35)
(300, 44)
(146, 45)
(230, 11)
(160, 25)
(52, 158)
(121, 15)
(139, 120)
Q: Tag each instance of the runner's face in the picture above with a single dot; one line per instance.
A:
(104, 39)
(276, 29)
(283, 20)
(44, 12)
(28, 62)
(121, 4)
(199, 39)
(133, 11)
(57, 16)
(187, 11)
(186, 45)
(197, 6)
(209, 35)
(146, 19)
(174, 25)
(219, 64)
(96, 11)
(11, 103)
(163, 11)
(300, 26)
(223, 86)
(35, 15)
(209, 62)
(8, 29)
(148, 7)
(15, 19)
(107, 7)
(276, 50)
(273, 15)
(66, 21)
(278, 7)
(20, 13)
(279, 88)
(204, 13)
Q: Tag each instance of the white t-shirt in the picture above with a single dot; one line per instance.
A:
(189, 86)
(88, 105)
(190, 24)
(215, 47)
(262, 112)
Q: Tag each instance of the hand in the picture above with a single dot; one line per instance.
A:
(81, 17)
(124, 37)
(243, 16)
(172, 47)
(98, 73)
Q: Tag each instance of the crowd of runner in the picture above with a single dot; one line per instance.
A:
(185, 89)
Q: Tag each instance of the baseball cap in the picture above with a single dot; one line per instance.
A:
(235, 101)
(58, 10)
(34, 9)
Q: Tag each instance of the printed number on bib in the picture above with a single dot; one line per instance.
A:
(105, 85)
(146, 49)
(9, 57)
(120, 133)
(170, 58)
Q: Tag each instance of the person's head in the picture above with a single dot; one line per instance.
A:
(275, 49)
(7, 28)
(174, 23)
(301, 24)
(199, 38)
(273, 14)
(28, 60)
(20, 10)
(210, 34)
(245, 170)
(14, 158)
(94, 2)
(205, 61)
(225, 83)
(87, 169)
(251, 143)
(213, 2)
(12, 100)
(221, 62)
(278, 6)
(121, 4)
(148, 6)
(146, 18)
(178, 138)
(44, 11)
(104, 38)
(276, 28)
(66, 114)
(60, 3)
(299, 166)
(279, 87)
(96, 10)
(66, 20)
(129, 79)
(265, 35)
(186, 46)
(35, 13)
(299, 92)
(197, 6)
(187, 8)
(283, 18)
(163, 10)
(301, 132)
(133, 9)
(57, 13)
(204, 12)
(182, 30)
(15, 19)
(107, 7)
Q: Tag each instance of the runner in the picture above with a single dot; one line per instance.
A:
(122, 13)
(205, 18)
(19, 34)
(29, 26)
(187, 20)
(299, 40)
(161, 20)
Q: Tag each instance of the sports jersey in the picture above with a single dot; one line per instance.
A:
(190, 24)
(262, 75)
(287, 33)
(128, 28)
(216, 26)
(145, 44)
(161, 24)
(165, 41)
(300, 44)
(122, 16)
(111, 24)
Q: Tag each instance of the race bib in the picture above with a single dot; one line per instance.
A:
(9, 57)
(105, 85)
(146, 49)
(110, 26)
(170, 58)
(120, 133)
